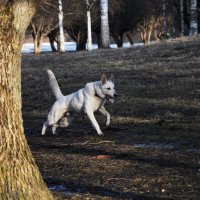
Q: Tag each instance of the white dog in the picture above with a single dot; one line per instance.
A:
(85, 101)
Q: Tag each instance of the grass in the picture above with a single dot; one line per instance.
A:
(151, 150)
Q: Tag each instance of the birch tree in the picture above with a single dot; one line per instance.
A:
(61, 39)
(89, 26)
(104, 24)
(193, 17)
(19, 175)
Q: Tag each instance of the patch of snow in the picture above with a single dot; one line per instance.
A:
(69, 46)
(60, 188)
(155, 146)
(57, 187)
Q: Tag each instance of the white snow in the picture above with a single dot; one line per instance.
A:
(69, 46)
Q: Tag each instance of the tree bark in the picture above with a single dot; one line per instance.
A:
(105, 33)
(193, 17)
(19, 175)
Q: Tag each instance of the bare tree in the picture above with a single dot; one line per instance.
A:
(43, 22)
(75, 22)
(151, 25)
(41, 28)
(19, 175)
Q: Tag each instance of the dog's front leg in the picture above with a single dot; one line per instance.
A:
(90, 115)
(105, 113)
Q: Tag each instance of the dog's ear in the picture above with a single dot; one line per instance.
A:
(111, 78)
(103, 79)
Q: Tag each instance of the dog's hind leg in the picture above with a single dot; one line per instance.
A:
(66, 120)
(56, 113)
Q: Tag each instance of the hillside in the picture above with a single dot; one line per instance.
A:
(151, 150)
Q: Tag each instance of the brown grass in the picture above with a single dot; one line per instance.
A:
(158, 103)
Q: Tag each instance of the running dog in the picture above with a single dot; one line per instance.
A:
(87, 100)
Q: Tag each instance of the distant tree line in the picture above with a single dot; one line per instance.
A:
(151, 19)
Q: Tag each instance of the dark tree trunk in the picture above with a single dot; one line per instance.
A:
(98, 35)
(119, 39)
(79, 36)
(52, 38)
(129, 38)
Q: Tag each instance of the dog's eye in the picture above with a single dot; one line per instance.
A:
(109, 88)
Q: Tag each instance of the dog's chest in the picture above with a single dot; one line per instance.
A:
(96, 103)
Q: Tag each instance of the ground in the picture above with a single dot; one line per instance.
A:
(152, 148)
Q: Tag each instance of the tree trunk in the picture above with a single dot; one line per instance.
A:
(119, 39)
(89, 31)
(143, 36)
(38, 39)
(52, 37)
(81, 43)
(61, 30)
(98, 34)
(128, 35)
(89, 27)
(104, 24)
(182, 17)
(193, 17)
(164, 16)
(149, 36)
(19, 175)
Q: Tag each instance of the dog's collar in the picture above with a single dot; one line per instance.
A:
(96, 95)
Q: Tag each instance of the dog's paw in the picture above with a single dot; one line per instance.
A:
(108, 121)
(107, 124)
(100, 134)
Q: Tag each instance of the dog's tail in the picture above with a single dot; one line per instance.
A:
(54, 84)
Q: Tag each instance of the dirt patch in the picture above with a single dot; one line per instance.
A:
(158, 104)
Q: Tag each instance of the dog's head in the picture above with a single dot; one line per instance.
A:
(108, 87)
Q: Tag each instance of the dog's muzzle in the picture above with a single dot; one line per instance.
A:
(111, 99)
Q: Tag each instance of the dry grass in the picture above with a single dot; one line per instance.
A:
(158, 103)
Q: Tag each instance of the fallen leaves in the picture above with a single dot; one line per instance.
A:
(102, 157)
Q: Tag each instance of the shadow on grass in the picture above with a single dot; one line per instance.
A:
(70, 187)
(130, 156)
